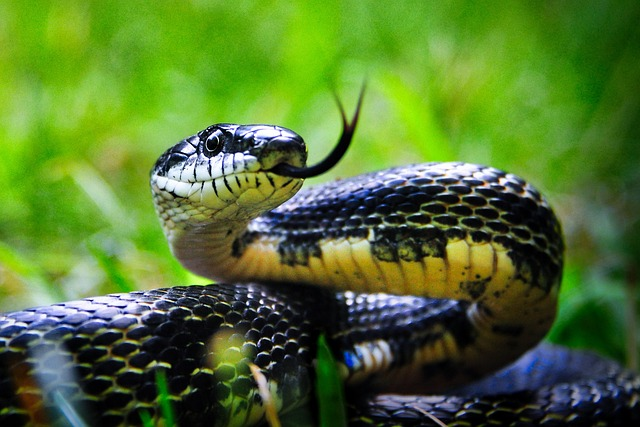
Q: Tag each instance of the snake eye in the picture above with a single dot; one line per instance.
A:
(213, 143)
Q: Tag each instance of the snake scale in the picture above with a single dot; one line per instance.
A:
(425, 279)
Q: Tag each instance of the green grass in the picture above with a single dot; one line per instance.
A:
(332, 410)
(93, 92)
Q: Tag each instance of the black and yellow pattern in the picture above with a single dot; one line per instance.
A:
(459, 231)
(101, 355)
(469, 259)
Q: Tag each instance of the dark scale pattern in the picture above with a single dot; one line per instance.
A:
(549, 386)
(412, 212)
(405, 324)
(103, 353)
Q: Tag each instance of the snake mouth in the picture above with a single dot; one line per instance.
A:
(278, 152)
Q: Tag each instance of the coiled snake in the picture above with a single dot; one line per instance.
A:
(470, 258)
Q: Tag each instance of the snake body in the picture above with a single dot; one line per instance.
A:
(423, 278)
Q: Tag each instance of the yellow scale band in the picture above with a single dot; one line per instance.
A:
(349, 265)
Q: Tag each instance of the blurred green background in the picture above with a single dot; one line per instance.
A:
(92, 92)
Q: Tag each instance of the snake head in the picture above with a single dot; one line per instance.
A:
(238, 147)
(235, 147)
(223, 173)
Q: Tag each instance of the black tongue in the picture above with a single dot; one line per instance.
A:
(348, 129)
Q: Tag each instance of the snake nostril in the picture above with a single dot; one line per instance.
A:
(283, 150)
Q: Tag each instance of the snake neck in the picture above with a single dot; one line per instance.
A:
(207, 249)
(241, 251)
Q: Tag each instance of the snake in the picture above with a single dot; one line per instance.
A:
(432, 283)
